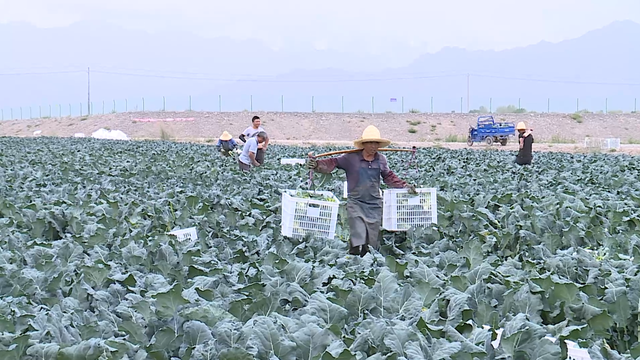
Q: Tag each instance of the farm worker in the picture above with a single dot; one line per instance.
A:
(364, 203)
(226, 144)
(248, 156)
(525, 140)
(250, 132)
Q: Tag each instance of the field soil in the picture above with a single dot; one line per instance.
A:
(553, 132)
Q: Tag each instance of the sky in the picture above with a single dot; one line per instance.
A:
(403, 28)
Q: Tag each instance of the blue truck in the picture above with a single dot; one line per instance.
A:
(489, 131)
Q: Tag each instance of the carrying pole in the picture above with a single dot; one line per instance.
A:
(339, 152)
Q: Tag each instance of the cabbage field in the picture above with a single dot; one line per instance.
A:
(87, 270)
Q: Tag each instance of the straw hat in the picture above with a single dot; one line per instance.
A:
(521, 126)
(225, 136)
(371, 134)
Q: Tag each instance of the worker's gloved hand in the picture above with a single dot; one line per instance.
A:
(411, 189)
(312, 163)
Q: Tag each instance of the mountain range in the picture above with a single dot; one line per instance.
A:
(594, 71)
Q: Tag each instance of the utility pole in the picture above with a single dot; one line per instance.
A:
(88, 91)
(468, 109)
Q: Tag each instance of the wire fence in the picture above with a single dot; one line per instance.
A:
(326, 104)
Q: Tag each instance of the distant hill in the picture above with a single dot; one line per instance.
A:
(129, 64)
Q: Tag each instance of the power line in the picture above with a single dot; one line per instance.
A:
(557, 81)
(273, 80)
(41, 73)
(257, 79)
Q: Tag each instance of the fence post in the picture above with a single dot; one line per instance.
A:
(164, 104)
(102, 107)
(402, 104)
(461, 105)
(126, 105)
(282, 102)
(548, 105)
(189, 102)
(490, 105)
(39, 111)
(11, 113)
(577, 104)
(60, 110)
(81, 108)
(69, 110)
(606, 105)
(142, 104)
(2, 111)
(251, 103)
(114, 105)
(343, 104)
(373, 110)
(20, 112)
(519, 107)
(49, 110)
(92, 109)
(432, 104)
(220, 103)
(635, 104)
(313, 109)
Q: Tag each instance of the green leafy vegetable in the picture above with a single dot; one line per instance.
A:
(87, 270)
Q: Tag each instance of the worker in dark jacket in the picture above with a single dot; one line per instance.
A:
(525, 140)
(364, 203)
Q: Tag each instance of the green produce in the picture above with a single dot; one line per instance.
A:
(87, 270)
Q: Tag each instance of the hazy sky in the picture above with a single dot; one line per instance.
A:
(370, 25)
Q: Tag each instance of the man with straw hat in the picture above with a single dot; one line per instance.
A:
(226, 144)
(525, 142)
(364, 203)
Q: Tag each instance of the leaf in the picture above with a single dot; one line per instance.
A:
(196, 332)
(271, 341)
(17, 348)
(235, 354)
(90, 349)
(360, 299)
(209, 313)
(472, 251)
(312, 341)
(330, 313)
(135, 332)
(384, 288)
(168, 303)
(166, 338)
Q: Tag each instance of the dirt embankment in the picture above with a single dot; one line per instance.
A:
(555, 132)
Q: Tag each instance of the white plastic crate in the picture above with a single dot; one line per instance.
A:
(602, 143)
(402, 210)
(292, 161)
(184, 234)
(302, 216)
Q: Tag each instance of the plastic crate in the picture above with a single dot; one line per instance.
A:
(185, 234)
(402, 210)
(302, 216)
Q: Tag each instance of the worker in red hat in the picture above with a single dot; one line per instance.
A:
(525, 141)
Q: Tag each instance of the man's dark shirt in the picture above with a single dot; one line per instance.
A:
(525, 155)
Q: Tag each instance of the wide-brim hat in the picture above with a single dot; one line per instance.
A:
(225, 136)
(371, 134)
(521, 126)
